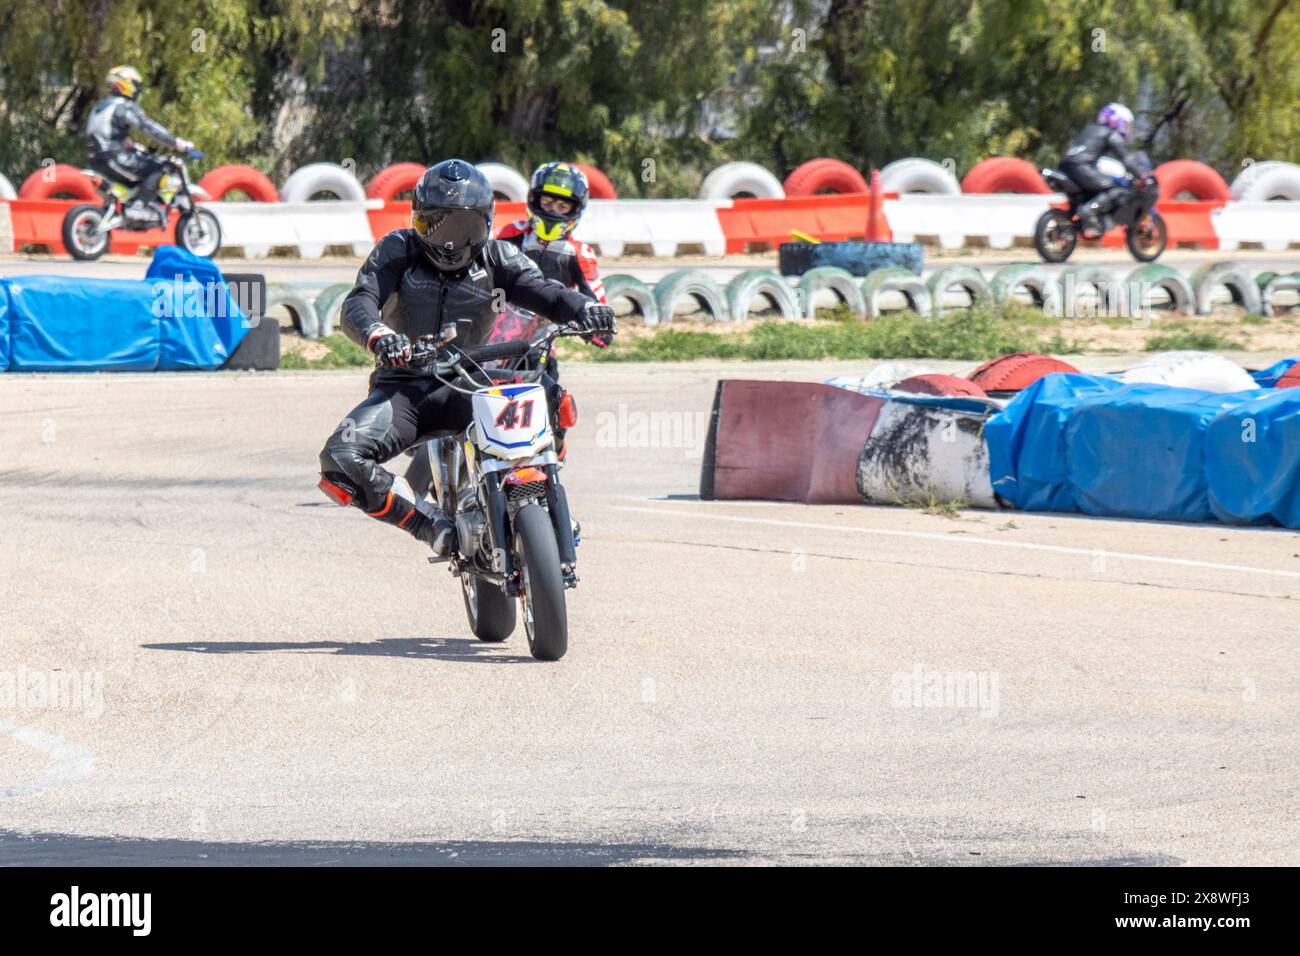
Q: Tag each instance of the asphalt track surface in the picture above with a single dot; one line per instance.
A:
(267, 678)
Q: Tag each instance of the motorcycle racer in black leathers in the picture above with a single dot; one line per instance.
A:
(113, 153)
(1106, 137)
(444, 270)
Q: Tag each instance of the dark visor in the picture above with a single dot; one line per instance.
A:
(450, 229)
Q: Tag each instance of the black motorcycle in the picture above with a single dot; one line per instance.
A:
(87, 227)
(1145, 234)
(499, 480)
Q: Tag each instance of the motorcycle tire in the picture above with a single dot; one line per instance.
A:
(199, 232)
(84, 216)
(1055, 222)
(490, 610)
(1147, 245)
(541, 585)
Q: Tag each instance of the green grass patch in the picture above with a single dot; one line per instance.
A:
(971, 334)
(1194, 340)
(343, 353)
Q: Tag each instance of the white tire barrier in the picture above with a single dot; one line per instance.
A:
(6, 228)
(505, 181)
(1236, 279)
(902, 281)
(676, 286)
(7, 190)
(733, 180)
(1145, 279)
(997, 220)
(308, 227)
(884, 376)
(1201, 370)
(329, 307)
(1275, 226)
(1043, 289)
(636, 292)
(765, 284)
(839, 282)
(916, 175)
(665, 225)
(966, 278)
(304, 183)
(1111, 299)
(1274, 284)
(1267, 182)
(300, 307)
(921, 454)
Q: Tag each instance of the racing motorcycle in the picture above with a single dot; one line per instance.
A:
(87, 227)
(498, 480)
(1057, 231)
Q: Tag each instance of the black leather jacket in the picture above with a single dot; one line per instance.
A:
(398, 288)
(1095, 141)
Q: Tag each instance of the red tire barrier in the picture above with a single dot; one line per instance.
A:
(1004, 174)
(1011, 373)
(246, 179)
(1291, 379)
(830, 175)
(598, 184)
(394, 179)
(60, 181)
(1188, 175)
(936, 383)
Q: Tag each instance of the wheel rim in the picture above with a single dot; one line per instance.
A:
(1146, 235)
(471, 598)
(83, 231)
(525, 600)
(1057, 236)
(199, 235)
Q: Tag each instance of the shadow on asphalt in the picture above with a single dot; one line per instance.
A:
(62, 849)
(418, 648)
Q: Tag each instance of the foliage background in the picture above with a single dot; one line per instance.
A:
(656, 92)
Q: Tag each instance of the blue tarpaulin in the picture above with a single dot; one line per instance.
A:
(181, 317)
(1092, 444)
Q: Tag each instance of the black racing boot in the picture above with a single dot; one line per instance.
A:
(1090, 214)
(420, 518)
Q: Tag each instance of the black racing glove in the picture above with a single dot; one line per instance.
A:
(598, 320)
(392, 350)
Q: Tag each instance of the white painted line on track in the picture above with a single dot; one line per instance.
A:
(69, 763)
(678, 512)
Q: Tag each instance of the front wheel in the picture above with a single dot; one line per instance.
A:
(490, 610)
(1055, 235)
(541, 585)
(198, 231)
(1147, 238)
(81, 235)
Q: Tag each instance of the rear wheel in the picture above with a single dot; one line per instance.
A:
(81, 235)
(198, 231)
(1055, 235)
(1146, 238)
(541, 585)
(490, 610)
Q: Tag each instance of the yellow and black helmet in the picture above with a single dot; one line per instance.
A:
(563, 182)
(124, 81)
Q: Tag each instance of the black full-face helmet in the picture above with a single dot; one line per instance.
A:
(451, 212)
